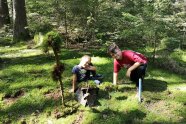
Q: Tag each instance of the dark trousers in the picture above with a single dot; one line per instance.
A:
(138, 73)
(90, 73)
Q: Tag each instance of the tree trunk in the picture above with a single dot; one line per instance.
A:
(56, 56)
(4, 14)
(20, 30)
(154, 51)
(60, 80)
(66, 30)
(62, 92)
(11, 10)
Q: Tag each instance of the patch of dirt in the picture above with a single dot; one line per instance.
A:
(64, 112)
(161, 108)
(9, 99)
(58, 114)
(53, 94)
(79, 118)
(18, 93)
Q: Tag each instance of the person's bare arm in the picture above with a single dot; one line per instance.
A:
(133, 67)
(115, 78)
(74, 80)
(92, 68)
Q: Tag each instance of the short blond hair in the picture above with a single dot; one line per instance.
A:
(85, 57)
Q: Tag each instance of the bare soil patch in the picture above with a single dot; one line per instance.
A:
(9, 99)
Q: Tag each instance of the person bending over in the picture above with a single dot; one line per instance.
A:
(134, 62)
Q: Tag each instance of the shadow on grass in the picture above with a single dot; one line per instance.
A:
(97, 103)
(26, 107)
(32, 60)
(109, 116)
(154, 85)
(6, 41)
(44, 59)
(121, 98)
(33, 107)
(102, 94)
(126, 89)
(17, 76)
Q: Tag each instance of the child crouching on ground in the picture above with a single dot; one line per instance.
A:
(84, 71)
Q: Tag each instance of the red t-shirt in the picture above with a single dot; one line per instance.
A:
(128, 59)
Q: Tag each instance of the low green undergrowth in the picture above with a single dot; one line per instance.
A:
(28, 94)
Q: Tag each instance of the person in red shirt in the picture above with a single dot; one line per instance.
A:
(134, 62)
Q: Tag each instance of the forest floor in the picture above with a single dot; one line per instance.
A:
(28, 94)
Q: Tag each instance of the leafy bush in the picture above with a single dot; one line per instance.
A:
(38, 24)
(53, 39)
(89, 83)
(129, 17)
(38, 39)
(108, 86)
(171, 65)
(170, 43)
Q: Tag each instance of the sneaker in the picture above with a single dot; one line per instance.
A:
(99, 76)
(97, 82)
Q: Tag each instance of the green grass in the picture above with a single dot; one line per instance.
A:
(164, 92)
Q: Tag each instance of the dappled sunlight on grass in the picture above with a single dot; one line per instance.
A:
(111, 116)
(23, 53)
(26, 105)
(32, 84)
(163, 112)
(171, 80)
(179, 87)
(23, 68)
(73, 54)
(163, 93)
(72, 62)
(10, 49)
(101, 60)
(165, 76)
(178, 96)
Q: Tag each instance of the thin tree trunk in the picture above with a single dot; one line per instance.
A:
(56, 57)
(11, 8)
(59, 80)
(182, 41)
(20, 30)
(62, 92)
(154, 52)
(66, 39)
(4, 13)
